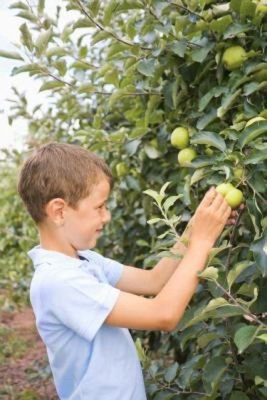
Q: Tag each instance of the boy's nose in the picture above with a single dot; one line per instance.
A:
(107, 217)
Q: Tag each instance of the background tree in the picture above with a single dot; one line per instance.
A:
(120, 78)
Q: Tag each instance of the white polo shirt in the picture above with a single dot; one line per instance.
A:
(71, 298)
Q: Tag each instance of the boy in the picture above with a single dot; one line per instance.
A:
(84, 302)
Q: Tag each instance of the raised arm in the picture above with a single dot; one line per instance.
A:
(164, 311)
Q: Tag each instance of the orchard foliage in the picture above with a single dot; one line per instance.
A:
(120, 76)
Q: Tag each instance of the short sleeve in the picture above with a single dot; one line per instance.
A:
(82, 303)
(111, 268)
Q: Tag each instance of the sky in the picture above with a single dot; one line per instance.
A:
(11, 137)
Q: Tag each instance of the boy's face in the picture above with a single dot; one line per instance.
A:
(83, 225)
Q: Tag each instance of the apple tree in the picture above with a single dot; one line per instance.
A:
(121, 77)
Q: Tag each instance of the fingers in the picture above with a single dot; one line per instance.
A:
(217, 202)
(208, 198)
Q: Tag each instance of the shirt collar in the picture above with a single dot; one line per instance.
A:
(41, 256)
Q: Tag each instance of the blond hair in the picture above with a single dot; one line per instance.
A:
(59, 170)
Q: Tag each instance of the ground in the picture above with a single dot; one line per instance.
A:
(24, 370)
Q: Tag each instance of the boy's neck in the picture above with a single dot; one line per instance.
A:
(53, 242)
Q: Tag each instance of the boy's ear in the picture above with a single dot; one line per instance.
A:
(55, 210)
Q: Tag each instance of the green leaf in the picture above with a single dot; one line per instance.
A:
(146, 67)
(86, 88)
(41, 6)
(37, 68)
(151, 152)
(210, 139)
(198, 174)
(153, 221)
(210, 274)
(247, 9)
(170, 373)
(252, 132)
(164, 187)
(235, 5)
(19, 4)
(256, 156)
(28, 15)
(211, 310)
(228, 102)
(170, 202)
(179, 48)
(51, 85)
(206, 119)
(213, 372)
(56, 51)
(263, 337)
(245, 336)
(156, 196)
(214, 92)
(42, 42)
(109, 10)
(239, 396)
(10, 54)
(221, 24)
(26, 37)
(236, 271)
(199, 54)
(94, 7)
(83, 23)
(259, 249)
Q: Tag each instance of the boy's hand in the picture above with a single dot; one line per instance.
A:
(212, 214)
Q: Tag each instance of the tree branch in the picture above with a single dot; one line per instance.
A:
(101, 28)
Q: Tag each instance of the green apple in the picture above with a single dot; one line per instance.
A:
(234, 198)
(180, 138)
(185, 156)
(255, 119)
(224, 188)
(260, 76)
(122, 169)
(234, 57)
(239, 172)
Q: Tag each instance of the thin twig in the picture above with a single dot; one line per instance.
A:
(187, 9)
(101, 28)
(256, 192)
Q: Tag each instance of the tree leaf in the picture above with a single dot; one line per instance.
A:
(209, 273)
(245, 336)
(178, 47)
(236, 395)
(42, 42)
(221, 24)
(213, 372)
(259, 249)
(19, 4)
(170, 202)
(51, 85)
(41, 6)
(164, 187)
(228, 102)
(27, 15)
(199, 54)
(146, 67)
(171, 372)
(86, 88)
(236, 271)
(252, 132)
(209, 138)
(10, 54)
(28, 68)
(26, 37)
(263, 337)
(156, 196)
